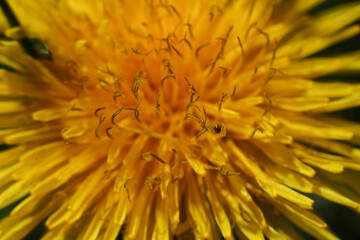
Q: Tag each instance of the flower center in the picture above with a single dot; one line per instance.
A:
(169, 86)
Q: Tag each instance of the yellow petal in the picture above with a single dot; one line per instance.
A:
(17, 228)
(12, 106)
(300, 104)
(45, 133)
(15, 192)
(317, 67)
(290, 178)
(298, 212)
(220, 215)
(11, 155)
(294, 197)
(247, 228)
(285, 157)
(282, 225)
(339, 104)
(122, 208)
(197, 210)
(319, 233)
(49, 114)
(139, 216)
(161, 230)
(245, 200)
(297, 129)
(332, 90)
(333, 19)
(336, 193)
(194, 162)
(174, 202)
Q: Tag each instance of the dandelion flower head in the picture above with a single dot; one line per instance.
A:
(156, 119)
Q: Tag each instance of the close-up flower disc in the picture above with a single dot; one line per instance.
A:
(178, 119)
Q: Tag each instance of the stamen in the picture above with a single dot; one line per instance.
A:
(74, 108)
(190, 29)
(191, 115)
(251, 8)
(107, 71)
(273, 54)
(72, 65)
(167, 65)
(136, 111)
(168, 43)
(136, 114)
(199, 48)
(257, 128)
(118, 94)
(205, 116)
(233, 91)
(228, 33)
(222, 172)
(177, 51)
(221, 52)
(223, 95)
(155, 135)
(265, 34)
(226, 173)
(143, 55)
(142, 157)
(225, 69)
(272, 73)
(192, 103)
(192, 88)
(102, 84)
(108, 173)
(152, 181)
(108, 131)
(202, 122)
(248, 30)
(193, 92)
(115, 114)
(101, 120)
(241, 47)
(173, 180)
(177, 157)
(157, 108)
(163, 80)
(268, 106)
(139, 79)
(98, 110)
(176, 154)
(116, 85)
(175, 11)
(187, 41)
(157, 158)
(206, 129)
(212, 14)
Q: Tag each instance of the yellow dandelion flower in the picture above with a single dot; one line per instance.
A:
(162, 119)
